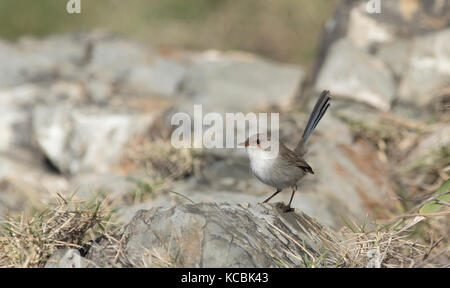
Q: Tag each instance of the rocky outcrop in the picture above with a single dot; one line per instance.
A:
(352, 74)
(75, 113)
(387, 59)
(68, 258)
(218, 235)
(72, 106)
(225, 82)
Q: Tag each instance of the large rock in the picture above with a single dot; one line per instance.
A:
(429, 147)
(25, 184)
(86, 138)
(364, 31)
(33, 60)
(162, 76)
(396, 19)
(352, 73)
(397, 54)
(14, 119)
(218, 235)
(112, 58)
(17, 104)
(426, 73)
(349, 177)
(68, 258)
(422, 66)
(232, 82)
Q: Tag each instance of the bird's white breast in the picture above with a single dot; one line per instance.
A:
(261, 165)
(272, 171)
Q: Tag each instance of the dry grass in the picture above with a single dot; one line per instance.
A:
(394, 138)
(156, 164)
(391, 245)
(405, 241)
(161, 161)
(29, 241)
(386, 247)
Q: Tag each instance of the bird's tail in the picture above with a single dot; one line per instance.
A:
(319, 110)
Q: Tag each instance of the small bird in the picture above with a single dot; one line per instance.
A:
(288, 167)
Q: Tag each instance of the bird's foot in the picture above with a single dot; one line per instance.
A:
(288, 209)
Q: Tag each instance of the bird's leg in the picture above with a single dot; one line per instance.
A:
(267, 200)
(288, 207)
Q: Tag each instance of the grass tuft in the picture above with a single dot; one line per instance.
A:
(30, 241)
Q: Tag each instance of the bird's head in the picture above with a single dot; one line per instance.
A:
(262, 144)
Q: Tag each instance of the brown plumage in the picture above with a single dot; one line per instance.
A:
(288, 167)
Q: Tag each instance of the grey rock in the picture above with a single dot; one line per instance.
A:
(69, 258)
(365, 31)
(395, 54)
(349, 177)
(33, 60)
(397, 19)
(429, 145)
(25, 184)
(352, 73)
(162, 77)
(113, 59)
(14, 119)
(17, 104)
(232, 82)
(86, 138)
(94, 185)
(427, 73)
(218, 235)
(99, 91)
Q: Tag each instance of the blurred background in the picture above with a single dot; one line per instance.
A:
(282, 30)
(86, 101)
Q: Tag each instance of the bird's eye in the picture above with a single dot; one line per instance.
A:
(257, 141)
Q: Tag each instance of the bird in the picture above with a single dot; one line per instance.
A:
(289, 166)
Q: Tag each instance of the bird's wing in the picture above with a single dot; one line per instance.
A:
(294, 159)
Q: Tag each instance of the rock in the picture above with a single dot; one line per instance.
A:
(407, 36)
(349, 176)
(17, 104)
(429, 146)
(14, 119)
(114, 58)
(162, 77)
(364, 31)
(397, 19)
(25, 184)
(58, 49)
(99, 91)
(69, 258)
(86, 138)
(218, 235)
(427, 70)
(92, 185)
(232, 82)
(351, 73)
(395, 55)
(33, 60)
